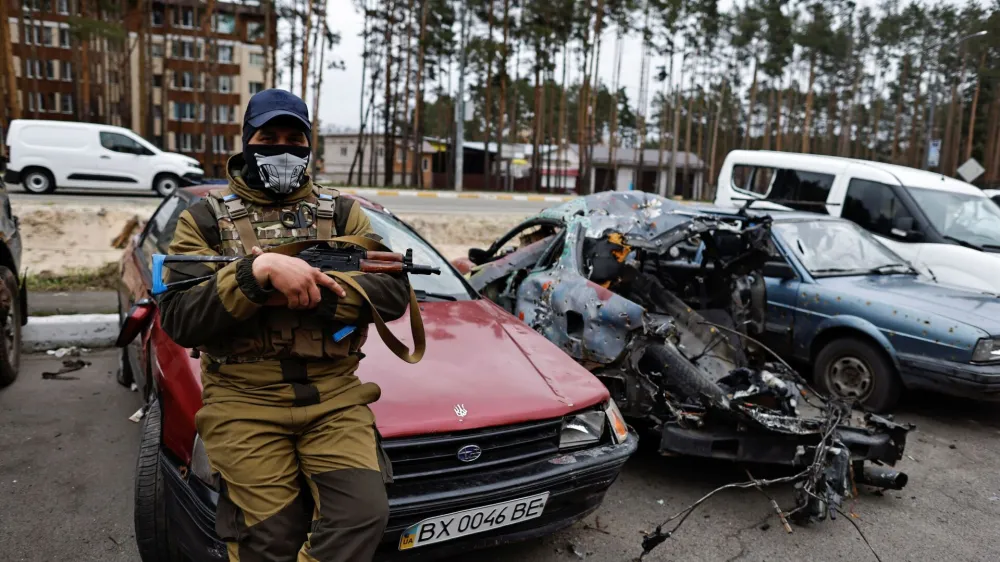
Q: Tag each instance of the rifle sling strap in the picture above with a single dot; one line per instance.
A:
(390, 340)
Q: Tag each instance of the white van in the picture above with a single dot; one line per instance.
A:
(44, 155)
(944, 227)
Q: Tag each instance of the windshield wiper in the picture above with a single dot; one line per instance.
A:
(961, 242)
(835, 270)
(891, 268)
(422, 295)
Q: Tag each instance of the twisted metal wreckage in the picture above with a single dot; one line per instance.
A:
(663, 302)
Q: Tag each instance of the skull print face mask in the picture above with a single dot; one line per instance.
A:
(280, 169)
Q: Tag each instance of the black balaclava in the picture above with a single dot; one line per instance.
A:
(279, 169)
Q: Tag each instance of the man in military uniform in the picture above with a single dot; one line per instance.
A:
(282, 404)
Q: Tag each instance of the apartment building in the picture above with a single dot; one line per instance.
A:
(185, 92)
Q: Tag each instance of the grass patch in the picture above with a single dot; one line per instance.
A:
(104, 278)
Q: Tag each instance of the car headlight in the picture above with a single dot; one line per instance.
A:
(619, 430)
(987, 350)
(194, 165)
(582, 429)
(200, 466)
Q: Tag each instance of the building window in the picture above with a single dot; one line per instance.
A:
(157, 80)
(257, 59)
(426, 163)
(157, 112)
(158, 141)
(184, 17)
(157, 18)
(50, 70)
(47, 36)
(255, 30)
(225, 84)
(221, 144)
(343, 151)
(50, 102)
(67, 103)
(67, 71)
(225, 114)
(63, 7)
(185, 49)
(224, 23)
(256, 87)
(157, 50)
(225, 53)
(184, 80)
(33, 68)
(184, 111)
(64, 40)
(185, 142)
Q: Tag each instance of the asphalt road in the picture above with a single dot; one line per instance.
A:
(67, 454)
(397, 204)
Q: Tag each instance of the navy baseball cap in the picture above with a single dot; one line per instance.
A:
(270, 104)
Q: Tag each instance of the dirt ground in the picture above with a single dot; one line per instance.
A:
(62, 239)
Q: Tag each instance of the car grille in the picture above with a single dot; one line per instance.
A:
(436, 455)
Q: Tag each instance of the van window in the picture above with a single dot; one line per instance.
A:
(806, 191)
(874, 206)
(121, 143)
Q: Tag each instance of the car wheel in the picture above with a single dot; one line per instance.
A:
(855, 370)
(10, 327)
(38, 181)
(151, 526)
(166, 184)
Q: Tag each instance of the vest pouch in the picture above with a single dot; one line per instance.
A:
(280, 324)
(307, 338)
(336, 349)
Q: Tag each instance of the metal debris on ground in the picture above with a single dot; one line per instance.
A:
(72, 351)
(69, 365)
(138, 415)
(134, 387)
(667, 304)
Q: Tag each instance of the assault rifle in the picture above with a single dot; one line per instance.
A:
(324, 258)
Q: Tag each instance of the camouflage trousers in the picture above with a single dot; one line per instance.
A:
(267, 455)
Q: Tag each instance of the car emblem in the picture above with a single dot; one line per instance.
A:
(460, 410)
(469, 453)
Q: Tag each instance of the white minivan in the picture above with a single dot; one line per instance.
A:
(946, 228)
(44, 155)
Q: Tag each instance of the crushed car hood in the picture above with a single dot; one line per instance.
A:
(978, 309)
(479, 360)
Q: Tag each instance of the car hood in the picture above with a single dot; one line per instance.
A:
(480, 361)
(966, 306)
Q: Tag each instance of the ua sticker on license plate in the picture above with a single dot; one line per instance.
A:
(471, 521)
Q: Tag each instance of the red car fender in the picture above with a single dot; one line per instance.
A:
(180, 392)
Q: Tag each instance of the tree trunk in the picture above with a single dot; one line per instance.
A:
(715, 137)
(831, 118)
(561, 134)
(311, 6)
(502, 105)
(144, 90)
(899, 111)
(536, 120)
(876, 126)
(292, 41)
(362, 117)
(387, 117)
(612, 142)
(778, 131)
(700, 136)
(752, 107)
(765, 143)
(268, 6)
(807, 120)
(487, 166)
(687, 137)
(845, 132)
(991, 162)
(403, 170)
(588, 166)
(34, 58)
(316, 96)
(662, 133)
(418, 138)
(13, 102)
(972, 109)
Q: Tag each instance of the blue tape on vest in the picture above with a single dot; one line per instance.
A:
(230, 197)
(342, 333)
(158, 286)
(325, 196)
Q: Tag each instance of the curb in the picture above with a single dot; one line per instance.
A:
(428, 194)
(65, 330)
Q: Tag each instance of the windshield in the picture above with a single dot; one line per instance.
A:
(829, 247)
(967, 218)
(399, 238)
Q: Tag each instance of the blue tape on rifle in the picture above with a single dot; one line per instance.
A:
(342, 333)
(158, 286)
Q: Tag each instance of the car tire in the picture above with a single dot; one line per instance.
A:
(856, 369)
(38, 181)
(166, 184)
(152, 528)
(10, 328)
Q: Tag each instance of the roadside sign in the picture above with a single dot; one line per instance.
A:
(970, 170)
(934, 154)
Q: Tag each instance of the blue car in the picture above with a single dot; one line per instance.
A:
(868, 323)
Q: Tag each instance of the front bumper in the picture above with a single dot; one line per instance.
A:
(966, 380)
(12, 176)
(576, 483)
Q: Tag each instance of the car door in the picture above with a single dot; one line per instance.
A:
(782, 296)
(137, 276)
(123, 162)
(879, 209)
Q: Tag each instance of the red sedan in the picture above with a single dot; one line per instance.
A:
(495, 436)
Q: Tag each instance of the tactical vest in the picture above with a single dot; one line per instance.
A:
(279, 332)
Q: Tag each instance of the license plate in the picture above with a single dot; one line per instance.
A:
(471, 521)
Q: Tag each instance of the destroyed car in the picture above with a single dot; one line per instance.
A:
(868, 323)
(665, 304)
(522, 445)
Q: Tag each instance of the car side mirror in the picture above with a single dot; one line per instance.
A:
(478, 256)
(138, 319)
(902, 227)
(779, 270)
